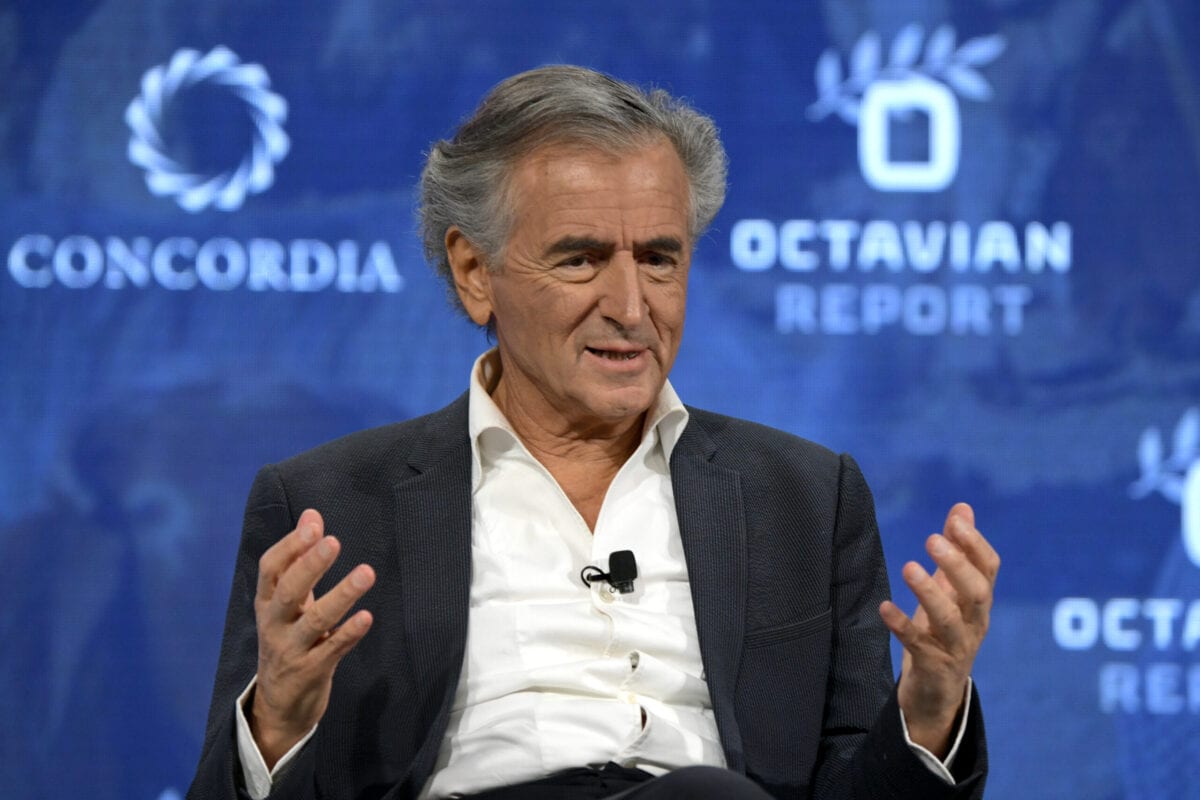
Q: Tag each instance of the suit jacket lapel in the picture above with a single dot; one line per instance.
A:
(433, 523)
(712, 523)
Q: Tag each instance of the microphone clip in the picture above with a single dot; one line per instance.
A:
(622, 571)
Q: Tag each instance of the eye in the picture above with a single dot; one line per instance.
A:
(657, 260)
(577, 261)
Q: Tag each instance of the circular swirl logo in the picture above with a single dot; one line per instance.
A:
(148, 148)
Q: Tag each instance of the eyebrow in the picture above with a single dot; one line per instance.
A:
(575, 244)
(661, 244)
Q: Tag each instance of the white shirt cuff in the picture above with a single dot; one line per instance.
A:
(254, 769)
(937, 766)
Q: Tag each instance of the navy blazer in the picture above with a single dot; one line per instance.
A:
(786, 571)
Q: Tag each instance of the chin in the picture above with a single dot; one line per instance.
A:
(624, 404)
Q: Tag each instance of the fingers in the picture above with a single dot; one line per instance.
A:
(955, 602)
(962, 583)
(289, 571)
(936, 633)
(294, 587)
(322, 616)
(962, 511)
(343, 639)
(941, 608)
(899, 623)
(309, 528)
(960, 529)
(970, 565)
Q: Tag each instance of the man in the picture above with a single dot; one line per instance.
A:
(750, 660)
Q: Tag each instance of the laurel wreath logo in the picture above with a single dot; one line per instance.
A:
(1164, 473)
(1175, 476)
(166, 177)
(841, 92)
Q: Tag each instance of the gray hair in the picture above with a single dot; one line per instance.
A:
(465, 180)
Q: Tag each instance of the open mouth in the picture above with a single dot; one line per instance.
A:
(614, 355)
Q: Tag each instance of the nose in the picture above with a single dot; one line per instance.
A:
(622, 295)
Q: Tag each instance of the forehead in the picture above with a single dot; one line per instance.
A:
(565, 184)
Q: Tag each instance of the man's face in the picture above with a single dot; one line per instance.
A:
(589, 301)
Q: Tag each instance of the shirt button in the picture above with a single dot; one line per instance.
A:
(629, 697)
(606, 596)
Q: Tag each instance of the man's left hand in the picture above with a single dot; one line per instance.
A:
(942, 637)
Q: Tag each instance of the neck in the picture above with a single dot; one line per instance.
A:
(552, 436)
(582, 458)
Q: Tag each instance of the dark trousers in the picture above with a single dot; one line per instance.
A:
(612, 782)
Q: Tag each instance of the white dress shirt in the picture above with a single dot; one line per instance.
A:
(556, 674)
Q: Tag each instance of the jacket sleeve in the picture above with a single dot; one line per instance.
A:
(218, 777)
(863, 753)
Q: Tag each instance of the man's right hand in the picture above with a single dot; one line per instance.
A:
(299, 640)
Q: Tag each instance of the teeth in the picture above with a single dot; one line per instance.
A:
(614, 356)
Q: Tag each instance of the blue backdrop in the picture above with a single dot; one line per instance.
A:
(961, 243)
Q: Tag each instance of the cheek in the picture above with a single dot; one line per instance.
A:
(539, 319)
(669, 307)
(559, 310)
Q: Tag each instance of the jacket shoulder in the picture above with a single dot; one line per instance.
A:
(386, 452)
(749, 444)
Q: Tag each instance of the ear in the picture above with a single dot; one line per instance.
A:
(471, 278)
